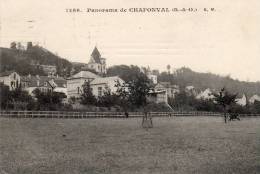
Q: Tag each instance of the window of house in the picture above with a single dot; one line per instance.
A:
(14, 76)
(78, 90)
(99, 91)
(45, 83)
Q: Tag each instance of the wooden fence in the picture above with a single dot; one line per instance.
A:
(80, 115)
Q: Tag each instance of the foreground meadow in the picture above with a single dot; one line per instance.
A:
(182, 145)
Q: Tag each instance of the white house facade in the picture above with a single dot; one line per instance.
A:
(100, 85)
(10, 79)
(254, 98)
(74, 83)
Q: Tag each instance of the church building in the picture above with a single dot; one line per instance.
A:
(97, 63)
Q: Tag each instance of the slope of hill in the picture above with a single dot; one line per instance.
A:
(25, 61)
(201, 81)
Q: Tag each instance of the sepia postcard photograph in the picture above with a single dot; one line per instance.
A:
(129, 87)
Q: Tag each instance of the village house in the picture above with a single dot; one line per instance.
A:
(205, 95)
(75, 82)
(98, 84)
(254, 98)
(97, 63)
(44, 84)
(159, 96)
(191, 91)
(151, 76)
(242, 101)
(59, 84)
(10, 79)
(171, 90)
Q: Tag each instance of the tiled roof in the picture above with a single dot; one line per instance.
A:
(59, 81)
(104, 80)
(85, 74)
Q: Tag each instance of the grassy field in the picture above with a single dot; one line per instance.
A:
(202, 145)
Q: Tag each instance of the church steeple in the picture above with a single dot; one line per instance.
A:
(96, 55)
(96, 62)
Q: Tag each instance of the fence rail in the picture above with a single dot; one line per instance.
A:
(81, 115)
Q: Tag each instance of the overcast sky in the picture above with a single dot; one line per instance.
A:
(225, 42)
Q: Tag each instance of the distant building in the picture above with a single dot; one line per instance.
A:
(97, 63)
(75, 82)
(242, 101)
(151, 76)
(190, 90)
(30, 83)
(10, 79)
(159, 96)
(59, 84)
(206, 94)
(44, 84)
(98, 84)
(171, 90)
(254, 98)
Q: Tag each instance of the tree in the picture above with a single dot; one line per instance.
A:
(255, 107)
(49, 100)
(127, 73)
(4, 95)
(135, 91)
(139, 89)
(108, 99)
(15, 99)
(123, 96)
(183, 101)
(225, 100)
(87, 97)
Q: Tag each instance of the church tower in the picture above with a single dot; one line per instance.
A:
(97, 63)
